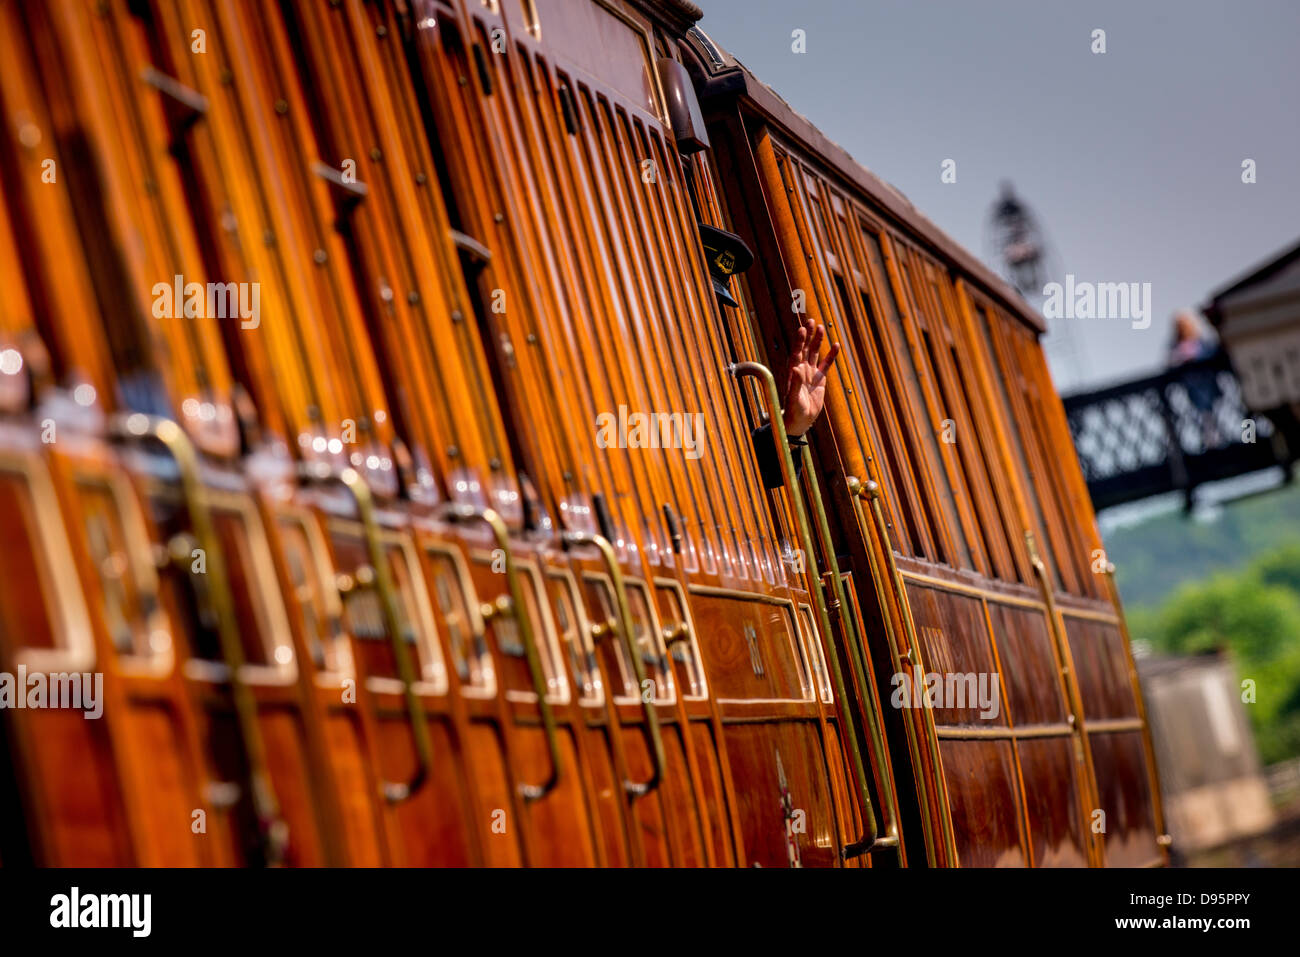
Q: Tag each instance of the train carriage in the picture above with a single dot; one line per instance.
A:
(947, 419)
(321, 353)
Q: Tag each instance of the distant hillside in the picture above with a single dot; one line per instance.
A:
(1153, 558)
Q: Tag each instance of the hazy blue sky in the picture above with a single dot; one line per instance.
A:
(1131, 159)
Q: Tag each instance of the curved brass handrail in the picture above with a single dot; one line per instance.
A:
(273, 829)
(858, 660)
(518, 608)
(394, 791)
(625, 626)
(869, 490)
(914, 658)
(773, 403)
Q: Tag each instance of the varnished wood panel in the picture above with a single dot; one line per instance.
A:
(1056, 820)
(1129, 838)
(985, 803)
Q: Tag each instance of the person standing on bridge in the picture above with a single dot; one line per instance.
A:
(1190, 345)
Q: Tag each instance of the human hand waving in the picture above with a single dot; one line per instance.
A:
(805, 384)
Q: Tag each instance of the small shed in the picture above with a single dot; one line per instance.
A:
(1214, 790)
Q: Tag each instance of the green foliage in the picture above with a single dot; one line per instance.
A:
(1152, 559)
(1256, 620)
(1281, 567)
(1255, 615)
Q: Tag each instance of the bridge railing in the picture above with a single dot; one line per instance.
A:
(1169, 432)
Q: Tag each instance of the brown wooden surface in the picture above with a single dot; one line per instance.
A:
(389, 344)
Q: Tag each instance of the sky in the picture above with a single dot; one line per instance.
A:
(1130, 159)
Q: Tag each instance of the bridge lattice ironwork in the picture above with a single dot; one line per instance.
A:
(1169, 432)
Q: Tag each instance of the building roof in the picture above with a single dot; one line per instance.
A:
(1243, 285)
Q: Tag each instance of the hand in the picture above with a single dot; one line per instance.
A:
(805, 384)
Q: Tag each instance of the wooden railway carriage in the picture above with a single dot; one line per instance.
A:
(947, 406)
(313, 313)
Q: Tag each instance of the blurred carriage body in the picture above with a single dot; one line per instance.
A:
(336, 523)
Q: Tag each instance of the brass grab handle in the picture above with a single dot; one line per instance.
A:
(518, 609)
(772, 401)
(274, 830)
(624, 625)
(858, 660)
(870, 490)
(857, 492)
(380, 575)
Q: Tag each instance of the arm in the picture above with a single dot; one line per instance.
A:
(805, 395)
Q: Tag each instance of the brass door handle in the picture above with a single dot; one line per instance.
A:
(381, 578)
(515, 606)
(624, 626)
(772, 402)
(274, 830)
(677, 631)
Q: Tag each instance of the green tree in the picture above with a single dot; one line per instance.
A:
(1281, 567)
(1255, 616)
